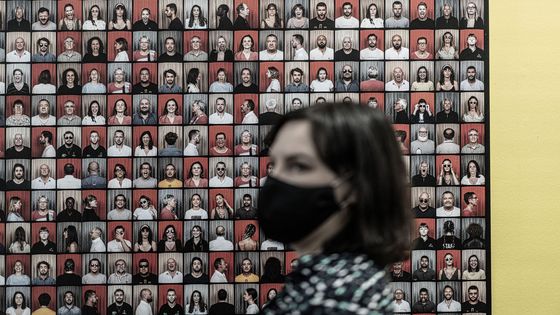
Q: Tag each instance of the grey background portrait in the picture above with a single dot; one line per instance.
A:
(214, 288)
(340, 34)
(203, 4)
(389, 9)
(77, 291)
(479, 65)
(10, 168)
(238, 203)
(467, 253)
(289, 97)
(453, 97)
(137, 289)
(112, 193)
(187, 259)
(213, 40)
(175, 66)
(253, 129)
(51, 259)
(227, 224)
(465, 98)
(405, 39)
(481, 285)
(289, 5)
(313, 34)
(203, 70)
(253, 161)
(390, 99)
(10, 291)
(177, 193)
(380, 65)
(11, 10)
(364, 4)
(454, 65)
(240, 304)
(203, 145)
(24, 67)
(162, 261)
(439, 230)
(304, 66)
(479, 8)
(204, 201)
(213, 19)
(11, 39)
(33, 48)
(102, 101)
(136, 227)
(405, 287)
(238, 67)
(438, 38)
(159, 45)
(456, 198)
(10, 234)
(390, 67)
(415, 193)
(163, 130)
(467, 221)
(288, 50)
(254, 256)
(337, 75)
(454, 6)
(416, 286)
(441, 128)
(126, 67)
(177, 162)
(51, 201)
(188, 225)
(278, 97)
(414, 65)
(212, 103)
(152, 98)
(212, 166)
(86, 238)
(127, 292)
(190, 288)
(162, 18)
(77, 131)
(102, 259)
(127, 135)
(35, 104)
(456, 285)
(61, 246)
(339, 97)
(61, 67)
(313, 9)
(25, 133)
(61, 196)
(152, 36)
(417, 159)
(465, 159)
(111, 7)
(105, 13)
(415, 259)
(279, 36)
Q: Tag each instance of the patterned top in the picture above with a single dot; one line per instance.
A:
(336, 283)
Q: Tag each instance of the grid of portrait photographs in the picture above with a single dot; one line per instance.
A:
(132, 144)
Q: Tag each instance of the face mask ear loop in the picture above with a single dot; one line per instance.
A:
(336, 183)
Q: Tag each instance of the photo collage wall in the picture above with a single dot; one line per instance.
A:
(132, 145)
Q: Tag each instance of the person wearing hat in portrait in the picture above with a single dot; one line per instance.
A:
(270, 117)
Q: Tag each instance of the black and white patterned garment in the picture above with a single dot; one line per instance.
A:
(334, 284)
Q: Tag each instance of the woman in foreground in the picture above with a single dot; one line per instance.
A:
(341, 189)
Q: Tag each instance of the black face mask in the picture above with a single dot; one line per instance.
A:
(289, 213)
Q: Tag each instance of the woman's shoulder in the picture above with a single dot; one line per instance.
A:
(339, 277)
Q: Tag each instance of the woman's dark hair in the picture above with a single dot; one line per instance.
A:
(122, 41)
(45, 77)
(90, 112)
(150, 234)
(150, 143)
(164, 234)
(201, 304)
(124, 16)
(90, 16)
(125, 107)
(319, 70)
(241, 43)
(76, 78)
(451, 77)
(477, 264)
(192, 76)
(121, 167)
(300, 6)
(201, 170)
(272, 271)
(72, 235)
(418, 74)
(20, 237)
(165, 112)
(222, 11)
(90, 41)
(249, 231)
(368, 15)
(277, 20)
(201, 18)
(379, 219)
(14, 305)
(477, 168)
(253, 293)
